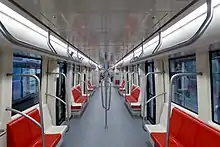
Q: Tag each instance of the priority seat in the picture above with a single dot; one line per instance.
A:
(22, 132)
(187, 131)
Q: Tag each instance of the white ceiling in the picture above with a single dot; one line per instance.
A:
(102, 28)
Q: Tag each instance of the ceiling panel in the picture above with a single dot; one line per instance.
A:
(99, 27)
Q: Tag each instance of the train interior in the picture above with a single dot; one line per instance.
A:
(101, 73)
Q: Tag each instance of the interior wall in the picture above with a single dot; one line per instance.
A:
(6, 56)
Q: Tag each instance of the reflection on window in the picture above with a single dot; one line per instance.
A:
(151, 109)
(185, 89)
(24, 89)
(215, 86)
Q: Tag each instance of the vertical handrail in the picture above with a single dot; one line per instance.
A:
(66, 97)
(107, 103)
(40, 101)
(49, 43)
(145, 94)
(170, 99)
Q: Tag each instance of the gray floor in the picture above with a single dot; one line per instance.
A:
(123, 130)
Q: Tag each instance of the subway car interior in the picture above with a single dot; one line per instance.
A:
(110, 73)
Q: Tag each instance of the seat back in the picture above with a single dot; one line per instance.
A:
(89, 83)
(123, 83)
(76, 93)
(135, 92)
(133, 87)
(190, 131)
(22, 132)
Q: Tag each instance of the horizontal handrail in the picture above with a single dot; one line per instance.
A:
(53, 96)
(2, 132)
(154, 97)
(49, 44)
(25, 115)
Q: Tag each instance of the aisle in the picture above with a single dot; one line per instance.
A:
(123, 130)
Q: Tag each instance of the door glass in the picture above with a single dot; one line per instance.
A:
(60, 92)
(151, 106)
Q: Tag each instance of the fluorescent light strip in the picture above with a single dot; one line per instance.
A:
(190, 17)
(21, 19)
(11, 13)
(184, 21)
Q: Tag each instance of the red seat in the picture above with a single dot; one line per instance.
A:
(90, 86)
(160, 139)
(76, 107)
(130, 99)
(133, 98)
(76, 93)
(51, 140)
(135, 93)
(136, 107)
(82, 99)
(122, 85)
(22, 132)
(187, 131)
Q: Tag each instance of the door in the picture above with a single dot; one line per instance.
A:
(84, 84)
(61, 93)
(151, 106)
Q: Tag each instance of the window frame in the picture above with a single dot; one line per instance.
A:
(182, 57)
(16, 105)
(211, 85)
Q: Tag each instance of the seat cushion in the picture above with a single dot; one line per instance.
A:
(136, 107)
(82, 99)
(90, 89)
(160, 140)
(76, 107)
(130, 99)
(51, 140)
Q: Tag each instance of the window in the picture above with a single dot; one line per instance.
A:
(24, 89)
(185, 89)
(215, 86)
(133, 74)
(73, 75)
(78, 70)
(127, 79)
(138, 74)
